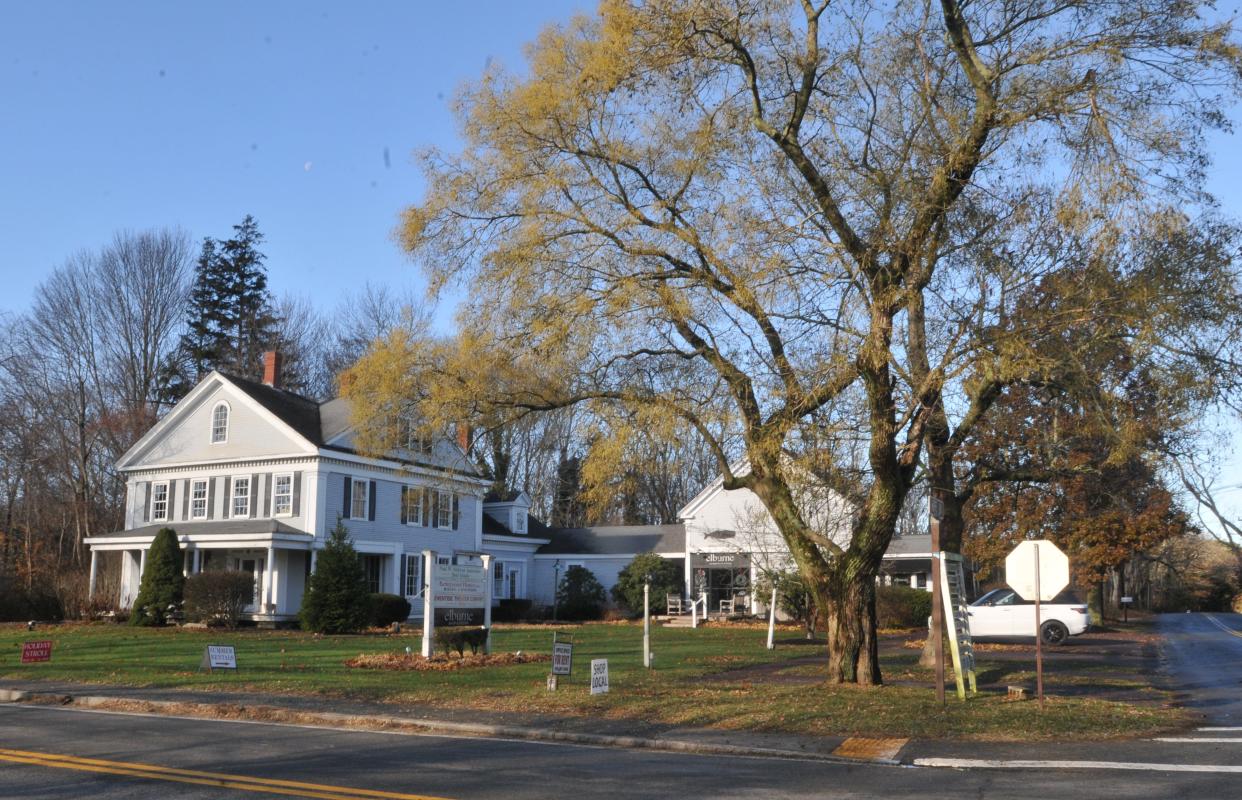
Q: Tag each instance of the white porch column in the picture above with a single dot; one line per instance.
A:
(429, 624)
(90, 591)
(314, 557)
(395, 572)
(142, 563)
(270, 577)
(198, 561)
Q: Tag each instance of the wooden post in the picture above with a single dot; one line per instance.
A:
(772, 617)
(429, 563)
(487, 602)
(647, 624)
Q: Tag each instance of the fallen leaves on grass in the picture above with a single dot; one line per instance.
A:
(441, 663)
(982, 647)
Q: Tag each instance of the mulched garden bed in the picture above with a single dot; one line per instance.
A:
(441, 663)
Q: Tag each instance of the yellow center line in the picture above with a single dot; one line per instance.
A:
(218, 779)
(1222, 626)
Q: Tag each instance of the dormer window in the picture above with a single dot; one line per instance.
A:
(519, 521)
(220, 423)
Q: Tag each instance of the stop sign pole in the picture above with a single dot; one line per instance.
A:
(1037, 570)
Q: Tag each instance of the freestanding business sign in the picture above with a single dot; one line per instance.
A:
(34, 652)
(1037, 570)
(599, 676)
(456, 595)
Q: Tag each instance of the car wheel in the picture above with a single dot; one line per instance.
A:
(1054, 633)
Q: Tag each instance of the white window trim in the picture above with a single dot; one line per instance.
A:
(233, 512)
(228, 419)
(447, 499)
(366, 498)
(206, 497)
(417, 560)
(167, 506)
(275, 480)
(414, 520)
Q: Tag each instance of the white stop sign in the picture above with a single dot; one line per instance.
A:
(1053, 570)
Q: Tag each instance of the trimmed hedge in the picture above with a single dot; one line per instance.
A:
(388, 608)
(512, 610)
(902, 607)
(459, 639)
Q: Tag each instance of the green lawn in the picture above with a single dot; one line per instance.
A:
(715, 676)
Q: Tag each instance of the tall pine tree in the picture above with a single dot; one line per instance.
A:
(230, 321)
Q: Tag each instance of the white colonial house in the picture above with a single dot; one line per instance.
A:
(253, 477)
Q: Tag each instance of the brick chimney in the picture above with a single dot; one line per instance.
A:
(463, 436)
(272, 361)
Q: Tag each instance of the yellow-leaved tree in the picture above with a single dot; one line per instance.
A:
(799, 230)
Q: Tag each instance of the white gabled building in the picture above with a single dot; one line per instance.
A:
(253, 477)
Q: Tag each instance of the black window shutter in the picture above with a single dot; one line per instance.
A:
(267, 496)
(146, 501)
(228, 498)
(297, 494)
(456, 512)
(185, 499)
(348, 486)
(171, 513)
(371, 501)
(254, 496)
(405, 492)
(426, 507)
(211, 498)
(401, 590)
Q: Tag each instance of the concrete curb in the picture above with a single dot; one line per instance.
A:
(336, 720)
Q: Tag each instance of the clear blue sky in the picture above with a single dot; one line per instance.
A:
(144, 114)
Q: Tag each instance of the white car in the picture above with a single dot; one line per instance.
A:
(1001, 614)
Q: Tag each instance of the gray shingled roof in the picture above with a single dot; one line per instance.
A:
(919, 544)
(298, 412)
(224, 527)
(615, 540)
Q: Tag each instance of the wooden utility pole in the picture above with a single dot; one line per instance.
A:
(935, 512)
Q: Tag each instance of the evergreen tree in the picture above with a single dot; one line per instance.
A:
(230, 320)
(163, 582)
(666, 579)
(336, 599)
(568, 510)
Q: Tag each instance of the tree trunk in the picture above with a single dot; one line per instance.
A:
(853, 653)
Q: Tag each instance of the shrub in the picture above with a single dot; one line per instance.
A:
(218, 597)
(902, 607)
(458, 639)
(580, 595)
(666, 579)
(388, 608)
(512, 610)
(20, 606)
(336, 598)
(163, 583)
(793, 598)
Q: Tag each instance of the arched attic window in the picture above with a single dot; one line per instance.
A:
(220, 423)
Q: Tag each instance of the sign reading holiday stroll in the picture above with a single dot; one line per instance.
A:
(34, 652)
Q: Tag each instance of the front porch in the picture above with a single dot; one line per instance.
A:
(279, 560)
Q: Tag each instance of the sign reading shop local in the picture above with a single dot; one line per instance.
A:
(457, 595)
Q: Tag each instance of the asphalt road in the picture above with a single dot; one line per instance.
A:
(1203, 658)
(45, 752)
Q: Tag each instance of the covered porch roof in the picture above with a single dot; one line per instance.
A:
(225, 533)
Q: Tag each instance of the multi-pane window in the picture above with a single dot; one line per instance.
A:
(159, 502)
(412, 502)
(241, 497)
(220, 423)
(198, 499)
(358, 500)
(444, 510)
(519, 521)
(413, 576)
(498, 580)
(282, 495)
